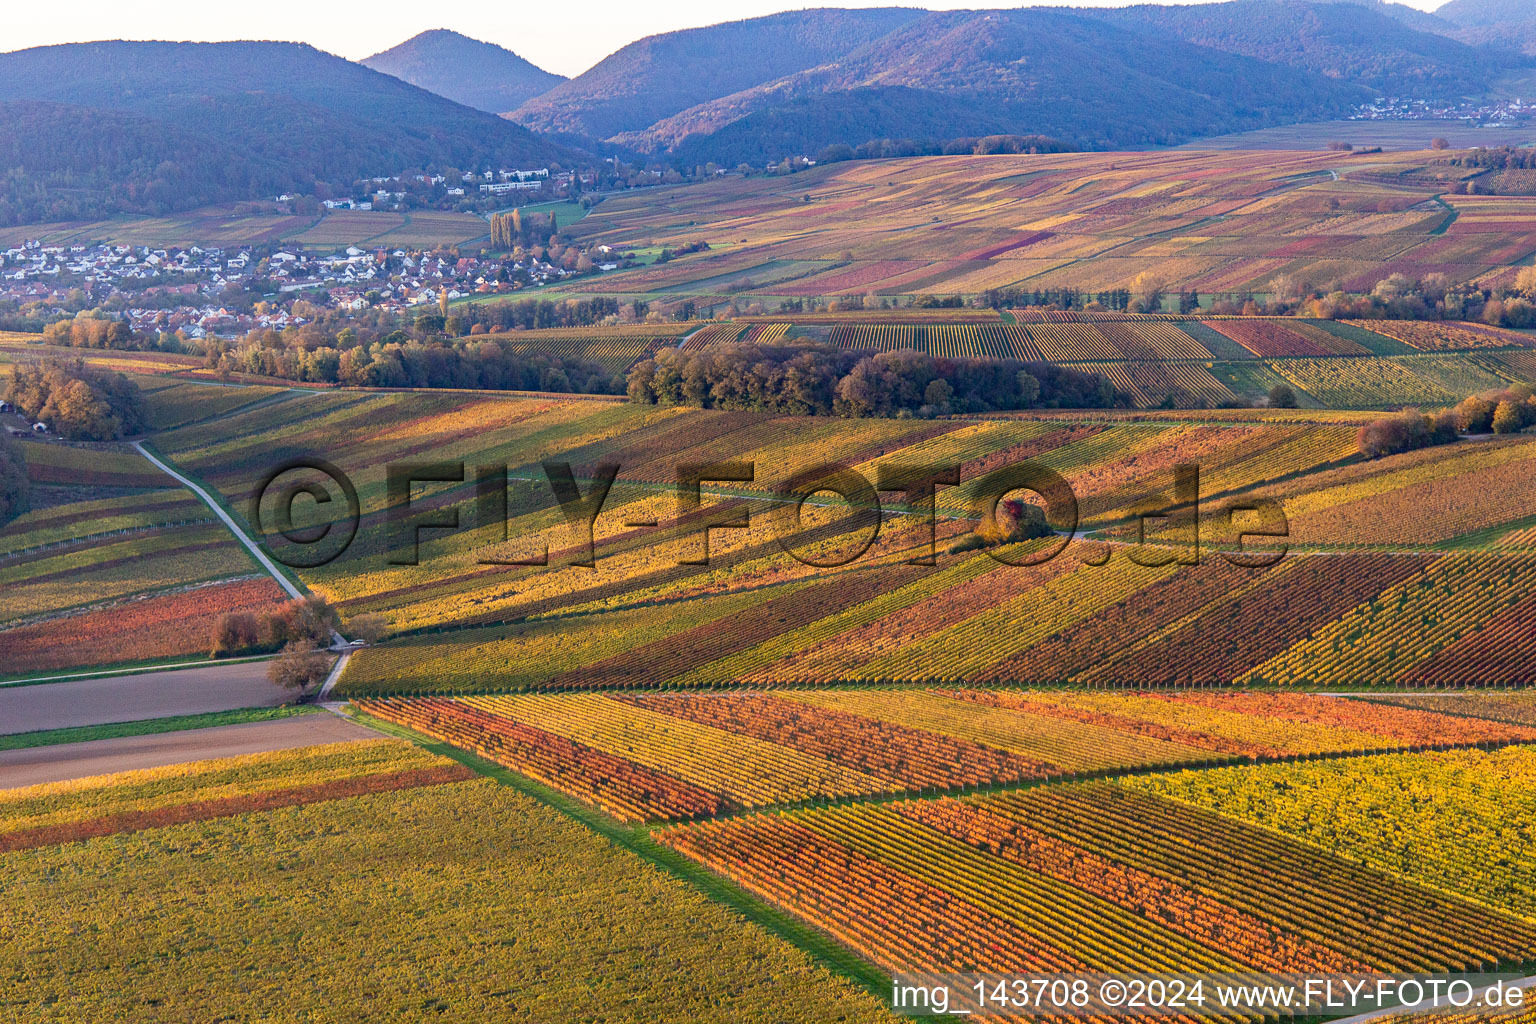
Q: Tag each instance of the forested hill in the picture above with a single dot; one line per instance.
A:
(1349, 42)
(1510, 24)
(1010, 72)
(89, 129)
(660, 75)
(767, 88)
(1486, 12)
(480, 75)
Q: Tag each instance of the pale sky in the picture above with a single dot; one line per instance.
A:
(563, 38)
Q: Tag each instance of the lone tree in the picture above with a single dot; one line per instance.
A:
(300, 667)
(1282, 397)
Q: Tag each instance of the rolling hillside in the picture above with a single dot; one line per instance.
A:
(151, 127)
(480, 75)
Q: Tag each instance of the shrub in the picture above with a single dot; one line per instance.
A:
(1017, 521)
(1281, 396)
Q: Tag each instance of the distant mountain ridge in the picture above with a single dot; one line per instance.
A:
(1473, 13)
(148, 127)
(1325, 37)
(477, 74)
(661, 75)
(1032, 71)
(1095, 76)
(1510, 24)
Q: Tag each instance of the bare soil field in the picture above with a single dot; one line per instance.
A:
(97, 701)
(31, 766)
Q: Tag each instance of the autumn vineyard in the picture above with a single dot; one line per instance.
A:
(736, 698)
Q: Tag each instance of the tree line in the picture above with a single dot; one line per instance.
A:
(965, 145)
(818, 380)
(486, 363)
(93, 332)
(1508, 158)
(1494, 412)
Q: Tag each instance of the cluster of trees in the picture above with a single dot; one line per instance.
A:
(1496, 412)
(668, 255)
(1147, 297)
(77, 401)
(515, 229)
(339, 330)
(1406, 431)
(302, 621)
(401, 362)
(15, 489)
(889, 149)
(799, 380)
(433, 350)
(86, 331)
(806, 379)
(1396, 297)
(300, 629)
(1504, 158)
(529, 314)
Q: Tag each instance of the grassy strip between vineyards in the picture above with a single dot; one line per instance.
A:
(148, 726)
(638, 841)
